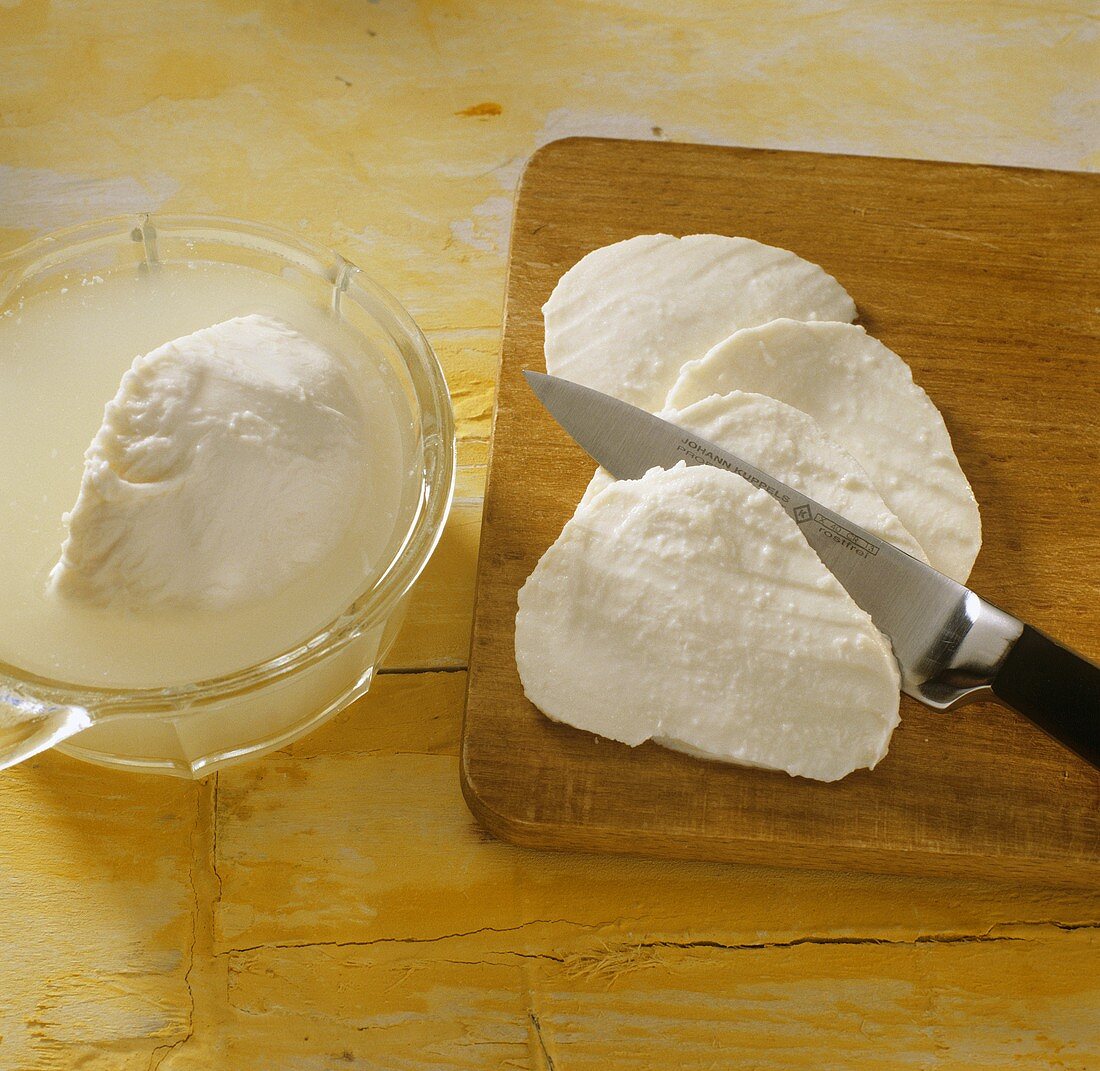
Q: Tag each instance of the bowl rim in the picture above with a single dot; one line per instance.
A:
(370, 607)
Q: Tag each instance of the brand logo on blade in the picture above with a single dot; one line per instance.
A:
(695, 451)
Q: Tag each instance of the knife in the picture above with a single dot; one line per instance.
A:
(952, 646)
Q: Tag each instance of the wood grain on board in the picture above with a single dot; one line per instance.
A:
(983, 279)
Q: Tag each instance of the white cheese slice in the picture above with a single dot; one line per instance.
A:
(229, 460)
(789, 445)
(863, 396)
(627, 316)
(686, 608)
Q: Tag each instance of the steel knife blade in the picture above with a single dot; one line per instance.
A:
(952, 646)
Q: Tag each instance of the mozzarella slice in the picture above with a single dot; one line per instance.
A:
(627, 316)
(789, 445)
(863, 395)
(686, 608)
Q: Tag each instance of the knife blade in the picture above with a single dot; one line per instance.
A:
(952, 646)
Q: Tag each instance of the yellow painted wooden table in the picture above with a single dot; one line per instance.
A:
(335, 905)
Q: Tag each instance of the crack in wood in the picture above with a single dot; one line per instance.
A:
(206, 892)
(276, 946)
(548, 1060)
(162, 1052)
(401, 671)
(986, 937)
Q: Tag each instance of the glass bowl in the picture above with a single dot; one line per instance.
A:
(182, 729)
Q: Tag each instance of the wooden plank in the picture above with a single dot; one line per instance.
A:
(472, 1003)
(96, 926)
(982, 279)
(357, 834)
(436, 631)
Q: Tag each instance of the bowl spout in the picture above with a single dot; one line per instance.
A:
(29, 725)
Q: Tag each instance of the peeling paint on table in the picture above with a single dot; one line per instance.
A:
(335, 905)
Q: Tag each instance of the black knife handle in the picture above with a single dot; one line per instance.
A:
(1054, 687)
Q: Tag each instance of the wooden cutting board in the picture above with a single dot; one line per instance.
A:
(984, 280)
